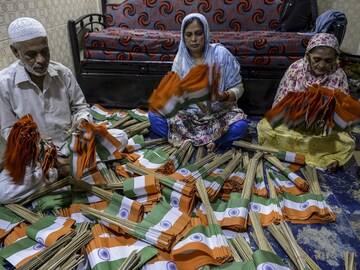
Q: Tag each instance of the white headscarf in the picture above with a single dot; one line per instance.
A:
(25, 28)
(214, 52)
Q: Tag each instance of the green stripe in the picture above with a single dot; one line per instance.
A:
(115, 204)
(129, 188)
(145, 255)
(7, 215)
(234, 201)
(303, 198)
(19, 245)
(263, 200)
(154, 217)
(56, 201)
(208, 231)
(101, 150)
(157, 156)
(41, 224)
(138, 139)
(262, 256)
(137, 116)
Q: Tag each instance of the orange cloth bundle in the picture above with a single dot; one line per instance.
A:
(318, 109)
(21, 147)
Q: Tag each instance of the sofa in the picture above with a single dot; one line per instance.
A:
(121, 55)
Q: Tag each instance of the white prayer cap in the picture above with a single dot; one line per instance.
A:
(25, 28)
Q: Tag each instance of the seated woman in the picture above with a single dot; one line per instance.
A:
(226, 122)
(319, 66)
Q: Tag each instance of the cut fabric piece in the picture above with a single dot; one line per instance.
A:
(21, 147)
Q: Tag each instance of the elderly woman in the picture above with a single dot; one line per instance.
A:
(226, 122)
(319, 66)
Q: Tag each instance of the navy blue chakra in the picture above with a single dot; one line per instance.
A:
(174, 202)
(304, 205)
(267, 266)
(165, 224)
(234, 212)
(171, 266)
(196, 237)
(123, 213)
(255, 207)
(104, 254)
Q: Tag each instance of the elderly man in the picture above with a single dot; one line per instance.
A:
(34, 85)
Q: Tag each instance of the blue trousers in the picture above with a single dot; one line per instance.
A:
(235, 132)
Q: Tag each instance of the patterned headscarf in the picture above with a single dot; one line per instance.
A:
(323, 39)
(25, 28)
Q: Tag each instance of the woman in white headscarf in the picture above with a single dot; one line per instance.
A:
(319, 66)
(226, 122)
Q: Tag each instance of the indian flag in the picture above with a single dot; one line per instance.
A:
(162, 265)
(152, 159)
(107, 146)
(21, 251)
(49, 229)
(231, 214)
(201, 246)
(268, 260)
(179, 201)
(138, 114)
(134, 143)
(105, 116)
(125, 208)
(282, 183)
(291, 157)
(111, 252)
(8, 220)
(305, 209)
(140, 186)
(162, 226)
(268, 209)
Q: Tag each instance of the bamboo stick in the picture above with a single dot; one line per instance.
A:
(120, 121)
(47, 189)
(263, 243)
(24, 213)
(250, 175)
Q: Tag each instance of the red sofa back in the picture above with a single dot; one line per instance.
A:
(222, 15)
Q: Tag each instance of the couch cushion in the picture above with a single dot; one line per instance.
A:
(250, 47)
(222, 15)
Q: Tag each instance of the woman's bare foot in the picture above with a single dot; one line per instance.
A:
(210, 147)
(333, 167)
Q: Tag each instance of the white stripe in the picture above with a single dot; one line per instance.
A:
(305, 205)
(240, 212)
(139, 186)
(265, 209)
(171, 216)
(79, 218)
(17, 257)
(114, 253)
(41, 235)
(212, 242)
(6, 225)
(269, 265)
(290, 156)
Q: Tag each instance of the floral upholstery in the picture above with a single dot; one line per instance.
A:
(149, 30)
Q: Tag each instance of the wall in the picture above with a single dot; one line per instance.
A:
(53, 14)
(351, 9)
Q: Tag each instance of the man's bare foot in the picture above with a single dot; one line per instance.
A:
(333, 167)
(210, 147)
